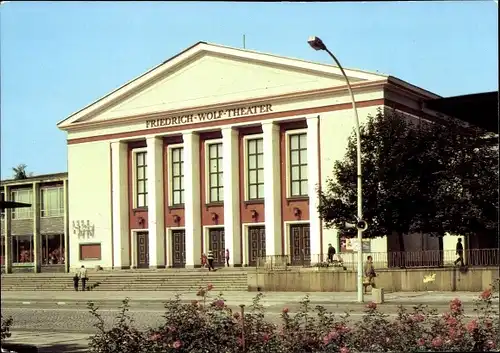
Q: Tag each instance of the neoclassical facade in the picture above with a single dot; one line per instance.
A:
(217, 148)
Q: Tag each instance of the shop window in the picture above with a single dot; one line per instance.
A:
(52, 204)
(22, 249)
(24, 196)
(53, 249)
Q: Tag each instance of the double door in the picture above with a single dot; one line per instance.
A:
(179, 248)
(300, 244)
(216, 243)
(256, 244)
(142, 250)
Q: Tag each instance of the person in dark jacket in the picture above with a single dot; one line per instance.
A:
(210, 258)
(460, 253)
(76, 279)
(331, 253)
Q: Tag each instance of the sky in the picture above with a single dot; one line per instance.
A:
(57, 57)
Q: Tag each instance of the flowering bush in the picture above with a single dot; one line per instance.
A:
(5, 330)
(210, 326)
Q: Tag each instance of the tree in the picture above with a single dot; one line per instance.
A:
(20, 172)
(418, 177)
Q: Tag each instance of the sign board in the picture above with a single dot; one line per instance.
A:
(352, 245)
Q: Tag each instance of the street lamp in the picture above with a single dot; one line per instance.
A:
(317, 44)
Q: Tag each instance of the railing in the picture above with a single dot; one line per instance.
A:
(393, 259)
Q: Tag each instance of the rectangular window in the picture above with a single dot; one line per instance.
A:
(52, 202)
(2, 197)
(298, 164)
(141, 180)
(177, 172)
(215, 173)
(22, 248)
(255, 168)
(52, 249)
(24, 196)
(89, 252)
(2, 250)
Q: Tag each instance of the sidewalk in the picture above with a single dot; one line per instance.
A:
(233, 298)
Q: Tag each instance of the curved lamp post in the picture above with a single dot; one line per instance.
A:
(317, 44)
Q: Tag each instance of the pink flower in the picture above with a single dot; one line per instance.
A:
(240, 341)
(421, 342)
(177, 344)
(451, 321)
(333, 335)
(472, 326)
(490, 344)
(488, 323)
(219, 304)
(155, 337)
(455, 333)
(486, 294)
(171, 328)
(456, 305)
(344, 350)
(417, 317)
(371, 306)
(285, 310)
(210, 286)
(437, 342)
(265, 337)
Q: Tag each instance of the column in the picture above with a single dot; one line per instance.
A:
(119, 202)
(232, 227)
(7, 232)
(66, 227)
(272, 188)
(192, 199)
(37, 243)
(313, 184)
(156, 215)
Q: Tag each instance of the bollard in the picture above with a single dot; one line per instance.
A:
(378, 295)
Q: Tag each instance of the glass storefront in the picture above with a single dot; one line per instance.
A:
(22, 249)
(53, 249)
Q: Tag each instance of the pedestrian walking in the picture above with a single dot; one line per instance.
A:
(460, 253)
(75, 280)
(331, 253)
(210, 258)
(203, 260)
(83, 277)
(369, 273)
(227, 257)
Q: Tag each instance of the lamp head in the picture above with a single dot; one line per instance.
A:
(316, 43)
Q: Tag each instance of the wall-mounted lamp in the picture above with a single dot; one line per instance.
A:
(254, 214)
(141, 221)
(177, 219)
(297, 212)
(215, 217)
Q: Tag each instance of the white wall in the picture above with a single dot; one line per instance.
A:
(335, 129)
(89, 198)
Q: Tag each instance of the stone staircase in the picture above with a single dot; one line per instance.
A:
(133, 280)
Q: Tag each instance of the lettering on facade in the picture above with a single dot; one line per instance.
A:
(84, 230)
(209, 116)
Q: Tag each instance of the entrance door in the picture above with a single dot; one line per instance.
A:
(300, 244)
(142, 250)
(256, 244)
(179, 248)
(216, 244)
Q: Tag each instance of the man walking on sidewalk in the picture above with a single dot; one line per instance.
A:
(83, 277)
(210, 258)
(460, 253)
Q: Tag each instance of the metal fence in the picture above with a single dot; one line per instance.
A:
(393, 259)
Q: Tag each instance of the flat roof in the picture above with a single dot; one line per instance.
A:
(41, 178)
(478, 109)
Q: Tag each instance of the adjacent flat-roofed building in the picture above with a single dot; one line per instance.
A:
(34, 239)
(217, 148)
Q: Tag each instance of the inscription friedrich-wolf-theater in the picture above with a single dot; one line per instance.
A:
(209, 116)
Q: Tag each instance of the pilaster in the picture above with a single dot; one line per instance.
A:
(313, 184)
(232, 228)
(156, 215)
(37, 241)
(192, 197)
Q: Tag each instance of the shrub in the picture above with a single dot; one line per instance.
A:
(5, 330)
(208, 325)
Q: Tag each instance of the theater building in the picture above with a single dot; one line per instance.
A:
(216, 148)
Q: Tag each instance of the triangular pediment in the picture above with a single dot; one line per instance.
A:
(206, 75)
